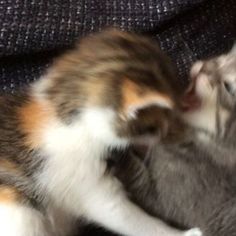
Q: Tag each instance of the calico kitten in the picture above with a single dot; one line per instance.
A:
(55, 138)
(191, 180)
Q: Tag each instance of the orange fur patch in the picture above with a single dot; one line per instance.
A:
(134, 96)
(33, 116)
(9, 194)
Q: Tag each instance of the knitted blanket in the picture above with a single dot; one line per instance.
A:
(33, 32)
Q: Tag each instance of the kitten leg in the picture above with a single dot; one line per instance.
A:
(107, 205)
(17, 219)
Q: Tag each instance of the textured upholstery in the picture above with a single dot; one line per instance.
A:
(33, 32)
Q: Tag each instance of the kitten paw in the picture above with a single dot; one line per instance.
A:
(193, 232)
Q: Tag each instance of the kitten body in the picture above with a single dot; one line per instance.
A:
(191, 180)
(55, 139)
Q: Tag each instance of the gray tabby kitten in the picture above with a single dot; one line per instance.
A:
(190, 179)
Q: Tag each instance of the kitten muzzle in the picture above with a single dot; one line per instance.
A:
(190, 101)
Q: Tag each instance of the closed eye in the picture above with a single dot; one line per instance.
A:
(228, 87)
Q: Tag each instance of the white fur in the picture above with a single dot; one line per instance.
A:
(162, 102)
(74, 175)
(17, 220)
(39, 87)
(194, 232)
(197, 66)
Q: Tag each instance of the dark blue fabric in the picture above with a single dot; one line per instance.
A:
(33, 32)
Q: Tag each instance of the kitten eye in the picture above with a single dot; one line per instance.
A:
(228, 87)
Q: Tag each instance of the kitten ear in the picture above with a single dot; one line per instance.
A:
(136, 98)
(223, 59)
(196, 68)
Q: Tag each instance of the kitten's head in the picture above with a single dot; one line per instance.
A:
(120, 73)
(212, 92)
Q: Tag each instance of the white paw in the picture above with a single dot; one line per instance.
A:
(193, 232)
